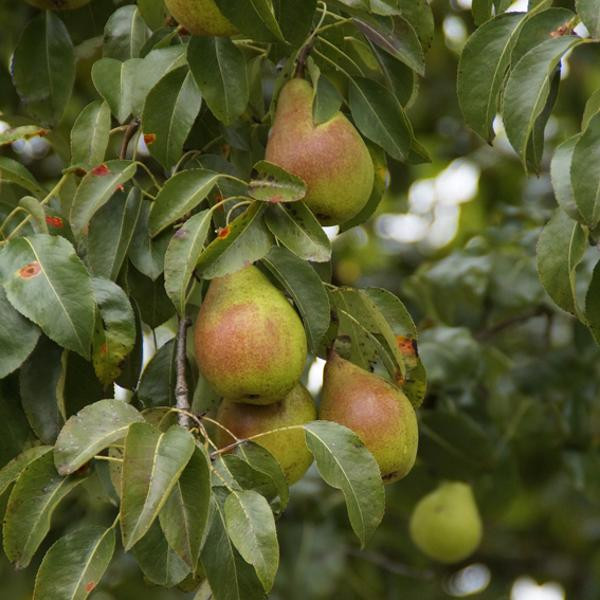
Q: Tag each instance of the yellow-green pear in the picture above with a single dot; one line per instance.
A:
(288, 447)
(331, 157)
(378, 412)
(445, 523)
(58, 4)
(200, 17)
(250, 342)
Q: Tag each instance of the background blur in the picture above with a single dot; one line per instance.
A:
(513, 403)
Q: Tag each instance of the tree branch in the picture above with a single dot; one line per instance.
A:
(181, 387)
(129, 133)
(517, 320)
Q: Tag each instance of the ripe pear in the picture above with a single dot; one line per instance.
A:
(379, 413)
(250, 343)
(200, 17)
(288, 447)
(446, 524)
(331, 157)
(58, 4)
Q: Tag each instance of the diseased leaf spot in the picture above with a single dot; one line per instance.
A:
(223, 232)
(89, 586)
(54, 221)
(101, 170)
(119, 188)
(30, 270)
(277, 199)
(181, 233)
(149, 138)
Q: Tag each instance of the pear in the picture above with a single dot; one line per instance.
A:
(288, 447)
(58, 4)
(200, 17)
(331, 158)
(379, 413)
(445, 524)
(250, 342)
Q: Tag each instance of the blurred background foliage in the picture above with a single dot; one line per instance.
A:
(513, 400)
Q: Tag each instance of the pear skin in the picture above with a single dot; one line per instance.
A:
(58, 4)
(200, 17)
(331, 158)
(250, 342)
(288, 447)
(445, 524)
(379, 413)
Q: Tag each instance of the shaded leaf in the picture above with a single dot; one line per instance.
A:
(10, 472)
(274, 184)
(125, 33)
(90, 135)
(255, 18)
(585, 173)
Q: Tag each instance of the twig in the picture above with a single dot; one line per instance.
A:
(393, 567)
(239, 442)
(181, 388)
(517, 320)
(129, 133)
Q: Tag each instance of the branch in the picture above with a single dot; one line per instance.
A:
(129, 133)
(181, 387)
(517, 320)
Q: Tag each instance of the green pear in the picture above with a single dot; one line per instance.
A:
(445, 524)
(378, 412)
(250, 342)
(58, 4)
(200, 17)
(331, 158)
(288, 447)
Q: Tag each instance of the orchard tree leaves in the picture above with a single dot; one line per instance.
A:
(34, 497)
(92, 430)
(44, 266)
(44, 68)
(90, 135)
(274, 184)
(254, 18)
(305, 287)
(10, 472)
(18, 337)
(590, 15)
(560, 173)
(125, 33)
(152, 464)
(219, 68)
(15, 172)
(592, 304)
(345, 464)
(157, 384)
(75, 564)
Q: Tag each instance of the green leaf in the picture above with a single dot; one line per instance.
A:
(255, 18)
(152, 464)
(560, 249)
(131, 367)
(80, 384)
(114, 335)
(47, 282)
(36, 493)
(251, 527)
(14, 429)
(44, 68)
(305, 287)
(14, 172)
(90, 135)
(483, 64)
(36, 211)
(345, 464)
(181, 194)
(154, 13)
(274, 184)
(10, 472)
(157, 384)
(170, 110)
(482, 11)
(125, 34)
(74, 564)
(380, 117)
(111, 233)
(560, 173)
(295, 18)
(589, 11)
(153, 302)
(183, 253)
(244, 241)
(184, 517)
(528, 89)
(585, 173)
(157, 560)
(592, 106)
(327, 101)
(219, 68)
(229, 575)
(90, 431)
(39, 381)
(18, 337)
(299, 231)
(96, 189)
(592, 304)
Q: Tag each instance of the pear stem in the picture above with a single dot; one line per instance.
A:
(181, 387)
(237, 443)
(129, 133)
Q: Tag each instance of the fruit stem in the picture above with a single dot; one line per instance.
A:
(181, 388)
(129, 133)
(252, 438)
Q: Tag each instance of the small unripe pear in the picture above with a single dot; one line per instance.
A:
(58, 4)
(331, 157)
(250, 342)
(445, 523)
(378, 412)
(200, 17)
(288, 447)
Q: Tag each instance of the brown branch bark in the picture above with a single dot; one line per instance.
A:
(181, 387)
(129, 133)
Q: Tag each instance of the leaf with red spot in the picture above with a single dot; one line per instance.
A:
(275, 185)
(74, 564)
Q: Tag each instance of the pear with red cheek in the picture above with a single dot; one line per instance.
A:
(287, 447)
(330, 157)
(58, 4)
(378, 412)
(250, 343)
(200, 17)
